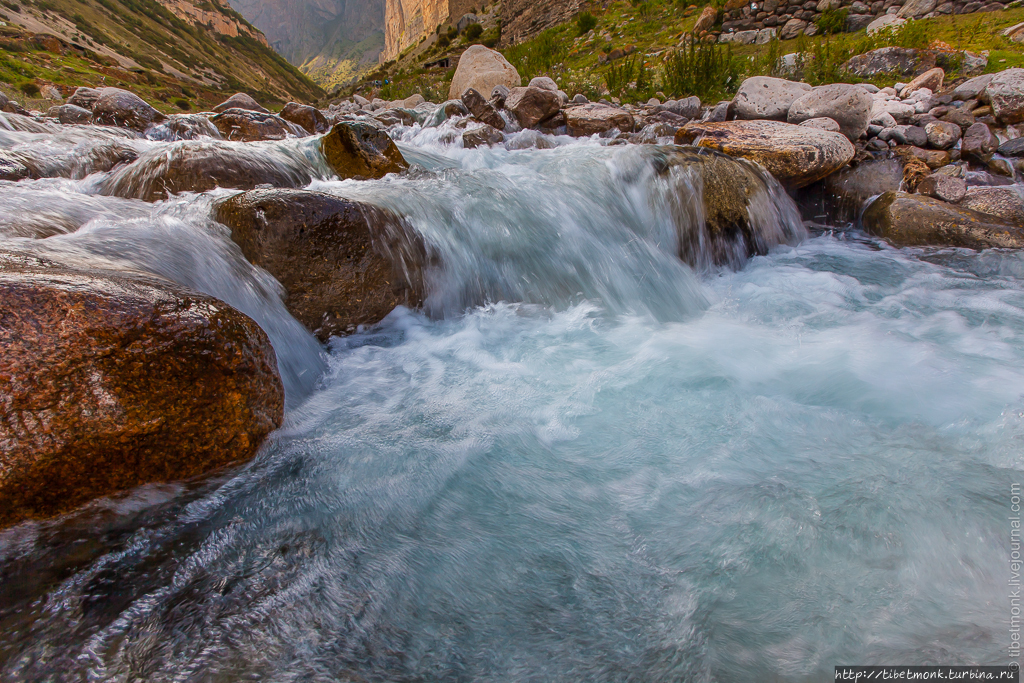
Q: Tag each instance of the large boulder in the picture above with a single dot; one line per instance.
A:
(310, 118)
(763, 97)
(361, 150)
(1005, 203)
(240, 101)
(908, 220)
(198, 166)
(915, 9)
(796, 155)
(532, 105)
(482, 69)
(886, 22)
(85, 98)
(971, 88)
(847, 105)
(738, 214)
(117, 107)
(587, 119)
(482, 110)
(342, 263)
(706, 21)
(243, 125)
(1006, 95)
(110, 380)
(886, 61)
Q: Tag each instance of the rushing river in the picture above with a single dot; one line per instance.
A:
(582, 461)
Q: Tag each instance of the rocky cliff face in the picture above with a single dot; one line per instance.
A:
(330, 40)
(214, 19)
(523, 19)
(406, 21)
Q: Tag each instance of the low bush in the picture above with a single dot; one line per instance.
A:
(707, 70)
(585, 23)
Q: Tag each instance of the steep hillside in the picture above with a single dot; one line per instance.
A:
(332, 41)
(178, 52)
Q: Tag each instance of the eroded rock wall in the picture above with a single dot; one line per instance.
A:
(523, 19)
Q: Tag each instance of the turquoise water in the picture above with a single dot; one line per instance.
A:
(583, 460)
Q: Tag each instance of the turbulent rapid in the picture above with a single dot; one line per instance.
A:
(603, 449)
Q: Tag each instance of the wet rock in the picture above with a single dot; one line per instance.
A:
(822, 123)
(942, 135)
(971, 89)
(944, 187)
(979, 144)
(482, 69)
(731, 224)
(482, 110)
(1006, 95)
(847, 105)
(111, 380)
(186, 127)
(908, 220)
(762, 97)
(198, 166)
(931, 79)
(932, 158)
(884, 61)
(244, 125)
(840, 197)
(532, 105)
(116, 107)
(482, 136)
(84, 98)
(795, 155)
(240, 101)
(310, 118)
(12, 167)
(342, 263)
(1005, 203)
(588, 119)
(361, 150)
(69, 114)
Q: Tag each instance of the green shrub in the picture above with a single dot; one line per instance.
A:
(443, 40)
(29, 88)
(539, 55)
(706, 70)
(182, 104)
(585, 23)
(474, 31)
(832, 21)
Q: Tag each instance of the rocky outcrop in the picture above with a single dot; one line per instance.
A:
(198, 166)
(1006, 95)
(795, 155)
(762, 97)
(908, 220)
(888, 60)
(117, 107)
(361, 150)
(407, 21)
(110, 380)
(482, 69)
(212, 17)
(342, 263)
(590, 119)
(523, 19)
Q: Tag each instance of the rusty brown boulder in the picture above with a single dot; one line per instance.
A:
(244, 125)
(343, 263)
(110, 380)
(309, 118)
(356, 149)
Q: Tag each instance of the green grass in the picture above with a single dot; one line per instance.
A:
(571, 56)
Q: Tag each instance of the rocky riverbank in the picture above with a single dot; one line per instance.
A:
(93, 355)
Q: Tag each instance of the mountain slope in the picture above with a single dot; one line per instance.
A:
(332, 41)
(170, 50)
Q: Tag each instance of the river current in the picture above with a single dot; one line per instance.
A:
(583, 460)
